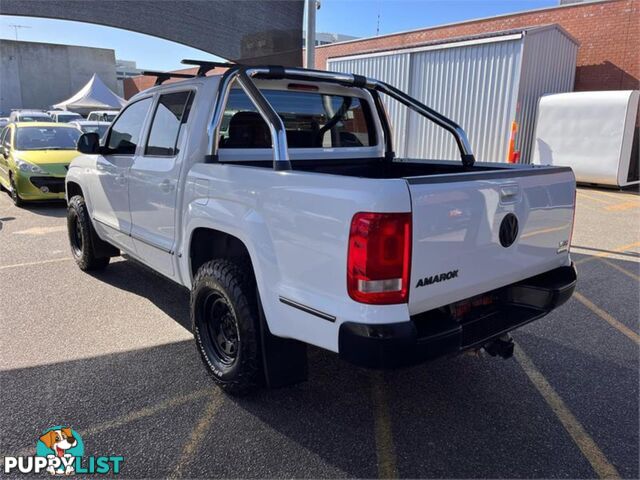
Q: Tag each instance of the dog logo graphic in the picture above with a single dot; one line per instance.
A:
(60, 451)
(62, 443)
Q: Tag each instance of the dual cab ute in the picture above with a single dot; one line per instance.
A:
(274, 195)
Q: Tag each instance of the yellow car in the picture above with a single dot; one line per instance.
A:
(34, 158)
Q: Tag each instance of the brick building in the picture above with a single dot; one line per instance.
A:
(608, 32)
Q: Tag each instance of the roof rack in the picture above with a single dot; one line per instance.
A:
(206, 66)
(162, 77)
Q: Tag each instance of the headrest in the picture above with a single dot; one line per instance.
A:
(248, 130)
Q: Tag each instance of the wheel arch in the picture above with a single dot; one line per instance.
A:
(73, 188)
(207, 243)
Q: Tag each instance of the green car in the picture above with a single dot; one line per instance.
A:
(34, 158)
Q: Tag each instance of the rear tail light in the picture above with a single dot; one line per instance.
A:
(379, 258)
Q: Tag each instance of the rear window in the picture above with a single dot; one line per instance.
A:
(47, 138)
(311, 119)
(34, 118)
(102, 117)
(68, 118)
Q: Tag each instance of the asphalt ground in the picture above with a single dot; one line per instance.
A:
(111, 355)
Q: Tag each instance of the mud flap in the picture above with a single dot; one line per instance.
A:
(100, 247)
(284, 359)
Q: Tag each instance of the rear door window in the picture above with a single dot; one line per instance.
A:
(125, 133)
(172, 112)
(311, 119)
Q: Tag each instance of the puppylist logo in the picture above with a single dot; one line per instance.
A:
(60, 451)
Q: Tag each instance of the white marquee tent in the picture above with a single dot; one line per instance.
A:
(95, 95)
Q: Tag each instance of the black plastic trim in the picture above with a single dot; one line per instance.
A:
(54, 184)
(309, 310)
(135, 237)
(436, 333)
(486, 175)
(146, 242)
(276, 72)
(359, 81)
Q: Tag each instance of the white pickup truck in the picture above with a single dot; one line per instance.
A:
(274, 195)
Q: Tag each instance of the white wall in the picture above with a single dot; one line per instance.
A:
(38, 75)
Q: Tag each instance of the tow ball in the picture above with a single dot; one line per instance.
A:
(502, 346)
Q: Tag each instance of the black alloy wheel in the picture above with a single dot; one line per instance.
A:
(220, 337)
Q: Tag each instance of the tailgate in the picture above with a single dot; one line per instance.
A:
(477, 231)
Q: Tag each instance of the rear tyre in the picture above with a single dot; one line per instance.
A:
(80, 236)
(224, 314)
(15, 196)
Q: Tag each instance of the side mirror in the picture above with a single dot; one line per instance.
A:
(89, 143)
(4, 151)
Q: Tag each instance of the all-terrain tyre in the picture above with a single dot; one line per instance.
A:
(225, 319)
(80, 232)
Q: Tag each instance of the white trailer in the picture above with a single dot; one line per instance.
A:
(591, 132)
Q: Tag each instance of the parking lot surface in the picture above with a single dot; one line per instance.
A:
(111, 354)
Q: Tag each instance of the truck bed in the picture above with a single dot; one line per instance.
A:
(378, 168)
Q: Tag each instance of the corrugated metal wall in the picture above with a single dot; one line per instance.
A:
(548, 66)
(393, 69)
(480, 85)
(476, 86)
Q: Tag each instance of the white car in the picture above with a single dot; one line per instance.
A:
(4, 121)
(102, 115)
(297, 225)
(88, 126)
(64, 116)
(29, 116)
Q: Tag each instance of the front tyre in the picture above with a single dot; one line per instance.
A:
(224, 313)
(15, 196)
(80, 231)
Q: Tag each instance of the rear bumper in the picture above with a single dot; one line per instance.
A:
(436, 333)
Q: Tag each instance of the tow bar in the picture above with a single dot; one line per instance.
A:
(502, 346)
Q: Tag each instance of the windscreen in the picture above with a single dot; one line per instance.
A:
(311, 119)
(47, 138)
